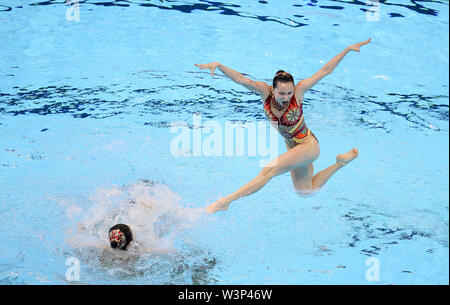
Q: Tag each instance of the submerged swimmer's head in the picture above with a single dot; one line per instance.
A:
(120, 236)
(283, 87)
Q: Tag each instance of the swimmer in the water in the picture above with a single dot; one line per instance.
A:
(120, 236)
(283, 104)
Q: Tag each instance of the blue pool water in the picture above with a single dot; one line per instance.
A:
(87, 110)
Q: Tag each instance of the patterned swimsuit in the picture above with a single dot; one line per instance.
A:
(291, 125)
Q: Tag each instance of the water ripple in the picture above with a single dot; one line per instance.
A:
(230, 9)
(108, 101)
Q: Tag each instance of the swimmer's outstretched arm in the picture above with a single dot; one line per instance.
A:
(258, 87)
(328, 68)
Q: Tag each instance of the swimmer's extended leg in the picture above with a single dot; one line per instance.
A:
(321, 177)
(251, 187)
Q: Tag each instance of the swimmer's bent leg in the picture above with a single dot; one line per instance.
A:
(298, 156)
(321, 177)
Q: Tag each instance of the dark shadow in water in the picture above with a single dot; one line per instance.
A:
(414, 5)
(418, 109)
(121, 100)
(207, 6)
(230, 9)
(364, 228)
(4, 8)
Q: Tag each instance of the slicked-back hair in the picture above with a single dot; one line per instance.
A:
(282, 77)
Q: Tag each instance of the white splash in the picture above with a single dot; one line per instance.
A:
(153, 212)
(382, 77)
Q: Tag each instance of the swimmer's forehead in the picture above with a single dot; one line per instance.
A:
(284, 87)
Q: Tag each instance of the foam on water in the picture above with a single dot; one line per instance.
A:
(151, 209)
(162, 247)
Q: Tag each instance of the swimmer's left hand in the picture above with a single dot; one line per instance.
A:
(219, 205)
(356, 46)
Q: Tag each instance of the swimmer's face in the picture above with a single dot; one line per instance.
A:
(283, 93)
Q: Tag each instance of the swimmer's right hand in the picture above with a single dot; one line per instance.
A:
(212, 66)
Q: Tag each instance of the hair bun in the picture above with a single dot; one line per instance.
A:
(282, 77)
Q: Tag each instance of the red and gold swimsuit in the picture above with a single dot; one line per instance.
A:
(291, 125)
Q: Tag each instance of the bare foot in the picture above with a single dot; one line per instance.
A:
(219, 205)
(348, 157)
